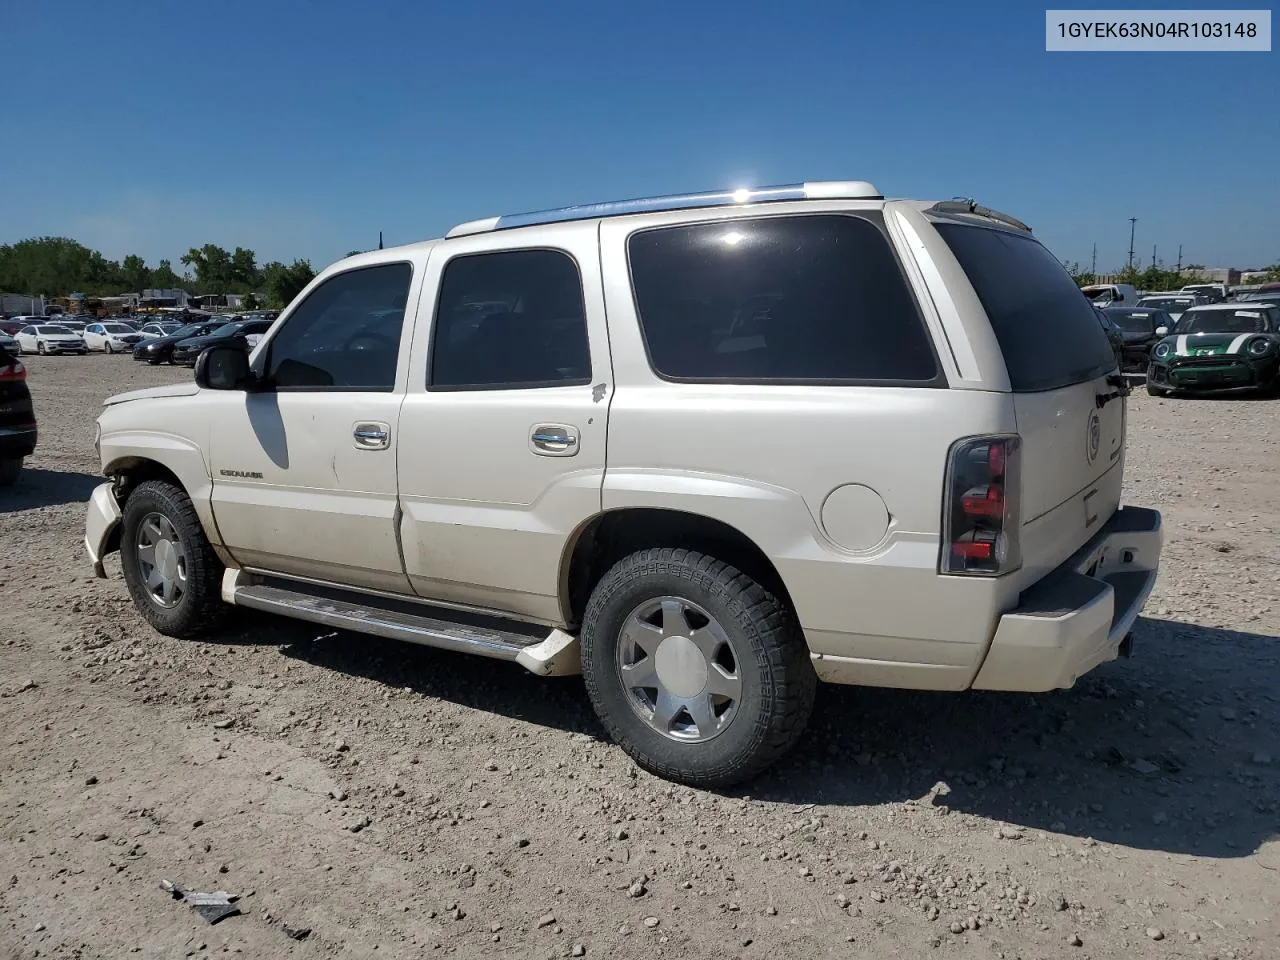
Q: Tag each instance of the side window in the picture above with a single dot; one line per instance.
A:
(345, 335)
(510, 319)
(778, 299)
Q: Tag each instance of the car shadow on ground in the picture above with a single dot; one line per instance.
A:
(1164, 751)
(47, 488)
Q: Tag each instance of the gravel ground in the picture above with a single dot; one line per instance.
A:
(400, 802)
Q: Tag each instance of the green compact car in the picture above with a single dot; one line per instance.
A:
(1219, 348)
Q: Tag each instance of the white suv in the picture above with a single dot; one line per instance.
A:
(705, 449)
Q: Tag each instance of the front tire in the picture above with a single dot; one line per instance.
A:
(696, 670)
(9, 470)
(1157, 391)
(40, 348)
(171, 570)
(109, 348)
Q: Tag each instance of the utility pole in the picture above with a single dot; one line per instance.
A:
(1133, 221)
(1179, 258)
(1093, 265)
(1153, 256)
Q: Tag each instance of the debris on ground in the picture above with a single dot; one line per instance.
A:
(214, 906)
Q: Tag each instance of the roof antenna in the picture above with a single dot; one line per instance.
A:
(379, 239)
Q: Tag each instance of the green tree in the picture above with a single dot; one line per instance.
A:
(284, 283)
(244, 268)
(163, 277)
(134, 273)
(250, 302)
(212, 266)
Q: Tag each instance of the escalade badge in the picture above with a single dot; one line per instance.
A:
(1094, 438)
(246, 474)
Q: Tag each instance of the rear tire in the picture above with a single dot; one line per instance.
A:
(664, 621)
(9, 470)
(171, 570)
(1157, 391)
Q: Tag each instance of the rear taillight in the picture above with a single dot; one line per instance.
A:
(14, 370)
(980, 518)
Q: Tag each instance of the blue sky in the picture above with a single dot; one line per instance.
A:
(302, 129)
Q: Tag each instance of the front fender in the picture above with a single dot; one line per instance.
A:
(125, 450)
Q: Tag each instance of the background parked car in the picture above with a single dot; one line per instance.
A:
(50, 338)
(14, 324)
(1141, 330)
(248, 332)
(160, 349)
(1219, 347)
(1174, 304)
(159, 329)
(1114, 335)
(17, 418)
(7, 343)
(111, 336)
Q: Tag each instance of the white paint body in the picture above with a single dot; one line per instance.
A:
(844, 497)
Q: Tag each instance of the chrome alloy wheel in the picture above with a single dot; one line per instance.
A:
(162, 560)
(679, 669)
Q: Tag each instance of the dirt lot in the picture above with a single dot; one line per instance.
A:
(400, 802)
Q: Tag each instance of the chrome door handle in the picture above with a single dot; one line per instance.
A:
(554, 440)
(371, 436)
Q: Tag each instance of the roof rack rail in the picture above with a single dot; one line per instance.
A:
(961, 205)
(811, 190)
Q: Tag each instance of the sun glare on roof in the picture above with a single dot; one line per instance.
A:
(741, 195)
(733, 238)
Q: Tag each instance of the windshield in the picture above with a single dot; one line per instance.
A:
(117, 328)
(190, 330)
(1104, 295)
(226, 330)
(1134, 322)
(53, 329)
(1222, 321)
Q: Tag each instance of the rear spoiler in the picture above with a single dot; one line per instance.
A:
(971, 207)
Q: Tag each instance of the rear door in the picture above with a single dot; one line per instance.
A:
(1066, 399)
(504, 424)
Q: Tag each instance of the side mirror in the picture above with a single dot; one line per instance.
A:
(1162, 331)
(223, 368)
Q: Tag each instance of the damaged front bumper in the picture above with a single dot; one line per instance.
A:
(102, 527)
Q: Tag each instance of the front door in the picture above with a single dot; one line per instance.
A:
(505, 419)
(304, 470)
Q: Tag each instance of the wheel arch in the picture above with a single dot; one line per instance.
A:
(609, 536)
(170, 459)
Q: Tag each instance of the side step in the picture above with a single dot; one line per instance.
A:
(547, 653)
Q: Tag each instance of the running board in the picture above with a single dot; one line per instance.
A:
(543, 652)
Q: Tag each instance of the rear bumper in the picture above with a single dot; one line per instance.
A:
(1077, 617)
(101, 527)
(16, 443)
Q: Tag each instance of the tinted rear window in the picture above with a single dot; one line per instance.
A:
(1047, 330)
(778, 299)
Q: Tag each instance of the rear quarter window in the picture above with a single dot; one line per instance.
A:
(1046, 328)
(795, 299)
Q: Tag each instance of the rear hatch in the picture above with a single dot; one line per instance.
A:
(1067, 396)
